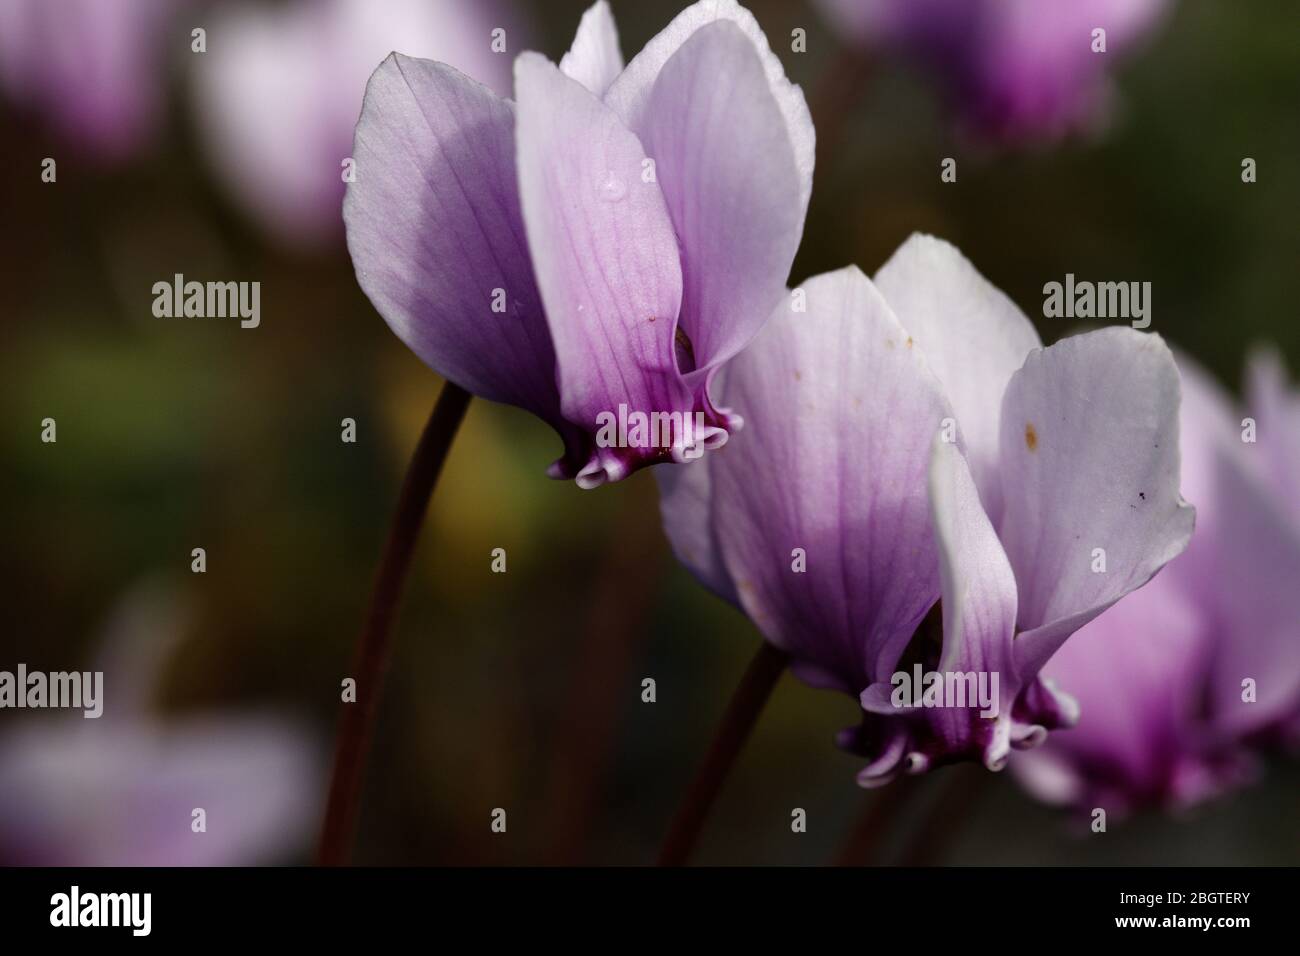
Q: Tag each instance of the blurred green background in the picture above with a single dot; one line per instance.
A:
(522, 690)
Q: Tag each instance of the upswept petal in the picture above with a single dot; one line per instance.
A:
(629, 95)
(727, 170)
(1090, 480)
(435, 230)
(833, 460)
(973, 337)
(594, 60)
(607, 265)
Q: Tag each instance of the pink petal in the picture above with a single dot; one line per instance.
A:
(728, 172)
(833, 459)
(1138, 673)
(606, 261)
(280, 87)
(1277, 412)
(435, 229)
(1089, 461)
(1257, 548)
(979, 615)
(630, 93)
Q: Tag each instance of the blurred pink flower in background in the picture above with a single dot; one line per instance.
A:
(120, 789)
(280, 89)
(1012, 69)
(1159, 677)
(93, 70)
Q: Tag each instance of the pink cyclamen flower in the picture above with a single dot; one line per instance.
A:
(1179, 680)
(599, 248)
(278, 93)
(121, 789)
(907, 440)
(91, 69)
(1014, 69)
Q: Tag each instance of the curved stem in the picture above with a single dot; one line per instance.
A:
(863, 844)
(357, 720)
(950, 810)
(742, 713)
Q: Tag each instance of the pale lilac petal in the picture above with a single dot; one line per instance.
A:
(1208, 424)
(1089, 461)
(435, 230)
(607, 264)
(979, 599)
(630, 93)
(1258, 567)
(122, 793)
(840, 413)
(725, 164)
(1159, 675)
(594, 60)
(973, 337)
(1276, 410)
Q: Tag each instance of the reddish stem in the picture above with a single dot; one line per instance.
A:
(374, 648)
(742, 713)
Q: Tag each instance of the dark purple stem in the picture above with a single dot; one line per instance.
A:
(357, 720)
(863, 844)
(958, 795)
(737, 723)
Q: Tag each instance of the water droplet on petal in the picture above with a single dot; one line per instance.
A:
(612, 189)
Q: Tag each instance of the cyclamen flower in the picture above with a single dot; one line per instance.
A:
(1014, 69)
(610, 240)
(1060, 455)
(1177, 682)
(279, 90)
(92, 69)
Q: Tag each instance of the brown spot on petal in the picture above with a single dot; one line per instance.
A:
(1031, 437)
(652, 318)
(909, 341)
(798, 376)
